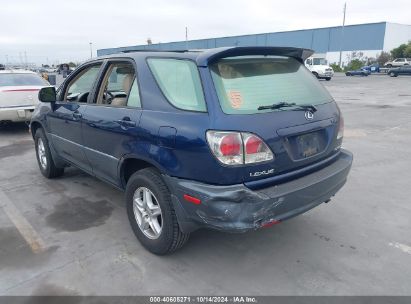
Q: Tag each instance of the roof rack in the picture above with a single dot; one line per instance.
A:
(154, 50)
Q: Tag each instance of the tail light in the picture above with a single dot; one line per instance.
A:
(235, 148)
(340, 133)
(255, 149)
(226, 146)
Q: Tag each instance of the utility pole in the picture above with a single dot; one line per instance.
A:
(186, 38)
(91, 50)
(25, 60)
(342, 34)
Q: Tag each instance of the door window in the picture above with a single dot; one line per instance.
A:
(134, 96)
(80, 87)
(119, 87)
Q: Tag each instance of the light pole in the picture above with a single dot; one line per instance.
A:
(342, 34)
(186, 38)
(91, 49)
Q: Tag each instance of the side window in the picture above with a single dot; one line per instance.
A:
(119, 86)
(180, 82)
(134, 96)
(80, 87)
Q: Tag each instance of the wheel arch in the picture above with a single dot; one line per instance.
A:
(34, 126)
(130, 164)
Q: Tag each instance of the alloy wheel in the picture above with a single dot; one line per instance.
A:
(42, 154)
(147, 212)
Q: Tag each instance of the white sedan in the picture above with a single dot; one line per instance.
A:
(19, 94)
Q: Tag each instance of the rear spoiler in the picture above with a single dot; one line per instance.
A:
(212, 55)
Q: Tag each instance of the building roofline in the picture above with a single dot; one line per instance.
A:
(398, 23)
(252, 34)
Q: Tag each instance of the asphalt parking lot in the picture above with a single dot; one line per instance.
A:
(71, 236)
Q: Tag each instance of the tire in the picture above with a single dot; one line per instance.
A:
(392, 74)
(316, 75)
(328, 78)
(170, 237)
(347, 74)
(389, 65)
(44, 157)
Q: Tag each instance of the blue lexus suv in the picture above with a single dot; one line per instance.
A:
(232, 139)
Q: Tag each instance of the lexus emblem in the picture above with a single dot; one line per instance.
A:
(309, 115)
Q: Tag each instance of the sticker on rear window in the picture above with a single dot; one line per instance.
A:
(236, 100)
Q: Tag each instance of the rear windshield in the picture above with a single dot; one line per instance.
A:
(245, 83)
(21, 80)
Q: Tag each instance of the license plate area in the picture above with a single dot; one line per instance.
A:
(306, 145)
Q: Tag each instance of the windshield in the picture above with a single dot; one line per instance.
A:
(244, 84)
(319, 61)
(21, 80)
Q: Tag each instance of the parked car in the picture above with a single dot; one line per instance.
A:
(372, 68)
(233, 139)
(404, 70)
(398, 62)
(19, 94)
(360, 72)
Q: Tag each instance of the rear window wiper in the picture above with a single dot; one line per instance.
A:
(281, 105)
(276, 106)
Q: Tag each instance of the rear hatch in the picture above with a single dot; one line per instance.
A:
(20, 89)
(301, 133)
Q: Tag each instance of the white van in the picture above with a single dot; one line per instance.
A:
(318, 65)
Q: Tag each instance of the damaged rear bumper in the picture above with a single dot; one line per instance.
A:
(236, 208)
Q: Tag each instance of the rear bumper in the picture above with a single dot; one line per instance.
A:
(325, 74)
(237, 208)
(16, 113)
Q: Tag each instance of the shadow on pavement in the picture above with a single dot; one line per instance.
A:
(13, 128)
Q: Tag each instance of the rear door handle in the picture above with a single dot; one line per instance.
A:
(126, 122)
(77, 115)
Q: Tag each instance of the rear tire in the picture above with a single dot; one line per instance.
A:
(389, 65)
(44, 157)
(392, 74)
(347, 74)
(316, 75)
(165, 237)
(328, 78)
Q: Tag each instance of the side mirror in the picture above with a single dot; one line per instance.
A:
(47, 94)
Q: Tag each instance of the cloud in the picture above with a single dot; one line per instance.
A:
(57, 30)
